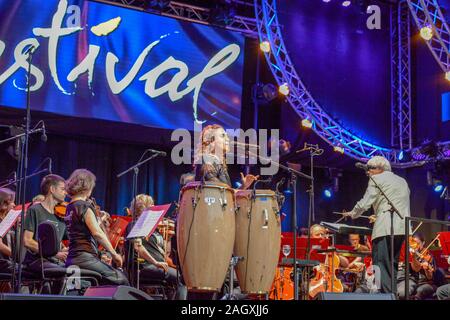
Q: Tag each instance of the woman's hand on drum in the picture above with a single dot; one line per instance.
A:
(163, 266)
(248, 180)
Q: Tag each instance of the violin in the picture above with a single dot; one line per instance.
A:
(422, 256)
(167, 229)
(60, 209)
(325, 279)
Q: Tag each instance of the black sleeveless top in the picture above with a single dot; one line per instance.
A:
(80, 238)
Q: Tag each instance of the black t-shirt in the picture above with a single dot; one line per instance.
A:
(212, 172)
(36, 215)
(153, 244)
(80, 237)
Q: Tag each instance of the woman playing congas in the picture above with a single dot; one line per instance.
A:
(206, 221)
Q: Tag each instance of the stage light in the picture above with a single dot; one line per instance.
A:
(426, 32)
(237, 184)
(346, 3)
(326, 1)
(401, 155)
(284, 89)
(338, 149)
(438, 187)
(328, 193)
(265, 46)
(447, 75)
(306, 123)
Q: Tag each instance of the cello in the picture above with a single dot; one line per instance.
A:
(325, 279)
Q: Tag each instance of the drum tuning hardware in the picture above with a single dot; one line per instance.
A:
(266, 219)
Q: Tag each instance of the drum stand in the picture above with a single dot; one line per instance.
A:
(230, 295)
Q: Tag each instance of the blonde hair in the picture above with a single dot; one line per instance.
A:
(140, 203)
(316, 228)
(205, 145)
(80, 181)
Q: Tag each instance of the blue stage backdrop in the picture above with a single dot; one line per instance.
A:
(107, 62)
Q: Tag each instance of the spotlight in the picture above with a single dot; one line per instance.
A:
(401, 155)
(338, 149)
(237, 184)
(265, 46)
(346, 3)
(328, 193)
(447, 75)
(284, 89)
(438, 187)
(306, 123)
(326, 1)
(426, 32)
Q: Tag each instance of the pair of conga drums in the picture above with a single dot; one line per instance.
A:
(214, 222)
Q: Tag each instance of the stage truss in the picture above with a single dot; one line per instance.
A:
(187, 12)
(301, 99)
(401, 118)
(428, 13)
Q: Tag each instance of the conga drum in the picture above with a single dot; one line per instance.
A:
(258, 240)
(205, 234)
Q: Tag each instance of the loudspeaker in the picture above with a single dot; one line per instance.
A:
(117, 293)
(356, 296)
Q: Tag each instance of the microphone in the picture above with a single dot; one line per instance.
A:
(30, 49)
(362, 166)
(44, 133)
(161, 153)
(241, 144)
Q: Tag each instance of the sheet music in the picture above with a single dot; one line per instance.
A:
(9, 221)
(147, 222)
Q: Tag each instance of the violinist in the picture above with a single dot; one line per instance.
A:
(355, 241)
(6, 204)
(53, 189)
(85, 233)
(152, 251)
(421, 274)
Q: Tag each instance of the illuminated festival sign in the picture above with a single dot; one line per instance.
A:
(106, 62)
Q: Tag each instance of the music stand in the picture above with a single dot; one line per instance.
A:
(145, 226)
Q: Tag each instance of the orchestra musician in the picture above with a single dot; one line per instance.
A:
(397, 190)
(421, 274)
(6, 204)
(317, 232)
(210, 161)
(355, 241)
(53, 189)
(85, 233)
(152, 251)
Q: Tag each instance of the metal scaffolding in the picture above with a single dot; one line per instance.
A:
(183, 11)
(428, 13)
(401, 118)
(301, 99)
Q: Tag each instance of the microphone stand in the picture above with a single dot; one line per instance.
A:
(392, 210)
(12, 181)
(314, 151)
(22, 183)
(130, 249)
(293, 180)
